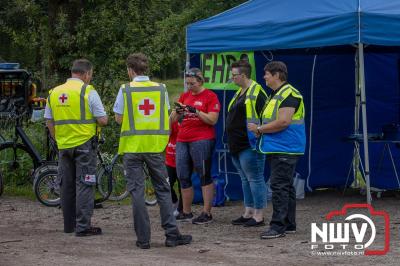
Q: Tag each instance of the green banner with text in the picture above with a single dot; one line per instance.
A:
(217, 71)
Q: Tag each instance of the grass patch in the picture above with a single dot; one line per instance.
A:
(25, 191)
(174, 88)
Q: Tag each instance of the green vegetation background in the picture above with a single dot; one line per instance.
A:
(45, 36)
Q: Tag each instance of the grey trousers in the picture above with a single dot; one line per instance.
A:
(77, 167)
(133, 165)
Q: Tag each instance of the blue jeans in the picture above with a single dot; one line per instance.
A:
(250, 165)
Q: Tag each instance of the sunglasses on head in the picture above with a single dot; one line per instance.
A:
(192, 74)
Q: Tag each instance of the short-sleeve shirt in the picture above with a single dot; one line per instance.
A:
(95, 105)
(290, 101)
(192, 128)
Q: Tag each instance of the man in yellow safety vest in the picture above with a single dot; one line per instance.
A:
(141, 108)
(73, 112)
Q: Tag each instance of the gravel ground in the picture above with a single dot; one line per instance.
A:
(31, 234)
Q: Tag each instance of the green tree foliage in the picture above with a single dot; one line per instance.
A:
(46, 35)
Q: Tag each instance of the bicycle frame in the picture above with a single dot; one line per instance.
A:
(19, 132)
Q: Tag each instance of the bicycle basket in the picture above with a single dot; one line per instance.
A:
(15, 90)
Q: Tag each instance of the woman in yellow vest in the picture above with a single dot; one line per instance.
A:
(246, 107)
(73, 111)
(142, 109)
(283, 140)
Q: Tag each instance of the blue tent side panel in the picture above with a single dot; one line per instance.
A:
(333, 108)
(383, 107)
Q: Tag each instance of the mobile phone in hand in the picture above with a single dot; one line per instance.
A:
(178, 105)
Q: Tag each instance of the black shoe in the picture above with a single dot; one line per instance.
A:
(177, 241)
(143, 245)
(253, 223)
(271, 233)
(91, 231)
(203, 218)
(184, 217)
(240, 221)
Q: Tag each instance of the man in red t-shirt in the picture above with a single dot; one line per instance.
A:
(195, 142)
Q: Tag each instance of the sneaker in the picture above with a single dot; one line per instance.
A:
(179, 240)
(240, 221)
(253, 223)
(184, 217)
(91, 231)
(176, 213)
(290, 231)
(271, 233)
(143, 245)
(203, 218)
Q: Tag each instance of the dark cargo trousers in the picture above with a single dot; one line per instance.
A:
(77, 169)
(283, 192)
(133, 166)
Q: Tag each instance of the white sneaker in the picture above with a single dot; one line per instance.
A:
(176, 212)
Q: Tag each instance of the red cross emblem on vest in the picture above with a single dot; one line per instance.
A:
(146, 107)
(63, 98)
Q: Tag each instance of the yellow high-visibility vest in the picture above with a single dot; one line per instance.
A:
(74, 123)
(145, 125)
(251, 112)
(291, 140)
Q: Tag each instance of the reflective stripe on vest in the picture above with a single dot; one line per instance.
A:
(132, 131)
(251, 113)
(83, 119)
(250, 103)
(291, 140)
(279, 99)
(73, 121)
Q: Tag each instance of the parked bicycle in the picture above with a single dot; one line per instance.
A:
(19, 159)
(119, 191)
(46, 184)
(110, 184)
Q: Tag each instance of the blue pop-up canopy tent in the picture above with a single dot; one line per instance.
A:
(337, 52)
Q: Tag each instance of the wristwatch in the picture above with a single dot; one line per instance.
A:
(258, 130)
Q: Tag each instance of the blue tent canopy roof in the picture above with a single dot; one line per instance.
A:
(286, 24)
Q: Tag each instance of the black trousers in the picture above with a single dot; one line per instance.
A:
(173, 177)
(77, 170)
(283, 192)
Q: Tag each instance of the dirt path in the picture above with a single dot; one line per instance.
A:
(31, 234)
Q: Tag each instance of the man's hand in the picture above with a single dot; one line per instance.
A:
(119, 118)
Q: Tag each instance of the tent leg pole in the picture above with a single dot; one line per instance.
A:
(364, 118)
(187, 67)
(356, 156)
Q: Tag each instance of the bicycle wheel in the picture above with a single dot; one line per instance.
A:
(47, 186)
(118, 183)
(149, 192)
(16, 163)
